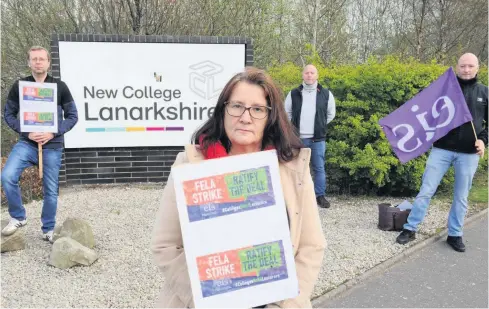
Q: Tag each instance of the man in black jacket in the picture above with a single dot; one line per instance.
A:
(25, 152)
(461, 147)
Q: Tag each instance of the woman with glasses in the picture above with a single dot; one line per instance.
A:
(249, 117)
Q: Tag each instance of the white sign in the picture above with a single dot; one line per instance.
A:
(235, 231)
(144, 94)
(38, 110)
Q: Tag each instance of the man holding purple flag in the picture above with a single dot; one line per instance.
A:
(416, 125)
(459, 136)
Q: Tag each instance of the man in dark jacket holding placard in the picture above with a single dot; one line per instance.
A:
(25, 153)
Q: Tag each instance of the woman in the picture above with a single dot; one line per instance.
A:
(249, 117)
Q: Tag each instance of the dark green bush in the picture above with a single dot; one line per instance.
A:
(359, 158)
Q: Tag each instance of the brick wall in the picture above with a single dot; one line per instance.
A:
(126, 164)
(117, 165)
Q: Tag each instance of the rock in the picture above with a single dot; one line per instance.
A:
(68, 252)
(14, 242)
(56, 232)
(79, 230)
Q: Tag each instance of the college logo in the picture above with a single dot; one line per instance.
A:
(201, 79)
(157, 77)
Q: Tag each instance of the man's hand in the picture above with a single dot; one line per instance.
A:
(41, 137)
(479, 145)
(35, 136)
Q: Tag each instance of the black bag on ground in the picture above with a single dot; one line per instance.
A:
(392, 218)
(400, 218)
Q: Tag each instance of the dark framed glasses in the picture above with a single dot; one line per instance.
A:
(237, 110)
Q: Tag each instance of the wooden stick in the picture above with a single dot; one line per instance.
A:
(39, 148)
(473, 128)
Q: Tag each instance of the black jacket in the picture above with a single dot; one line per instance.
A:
(66, 105)
(462, 139)
(321, 117)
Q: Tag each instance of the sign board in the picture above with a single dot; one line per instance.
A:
(235, 231)
(144, 94)
(38, 110)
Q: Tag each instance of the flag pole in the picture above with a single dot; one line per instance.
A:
(39, 148)
(475, 134)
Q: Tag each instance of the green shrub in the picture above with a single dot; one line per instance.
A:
(359, 159)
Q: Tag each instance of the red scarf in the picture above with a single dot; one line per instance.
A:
(217, 150)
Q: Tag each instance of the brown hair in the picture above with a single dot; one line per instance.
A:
(34, 48)
(278, 129)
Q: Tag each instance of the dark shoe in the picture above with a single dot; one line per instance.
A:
(456, 243)
(405, 237)
(322, 202)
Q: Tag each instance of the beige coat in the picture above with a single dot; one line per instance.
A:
(305, 229)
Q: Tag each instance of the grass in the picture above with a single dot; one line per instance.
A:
(479, 193)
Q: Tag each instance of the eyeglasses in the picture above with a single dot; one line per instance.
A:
(237, 110)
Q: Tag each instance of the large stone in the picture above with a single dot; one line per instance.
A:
(56, 232)
(78, 230)
(67, 252)
(14, 242)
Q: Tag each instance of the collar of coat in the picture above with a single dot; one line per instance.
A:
(195, 154)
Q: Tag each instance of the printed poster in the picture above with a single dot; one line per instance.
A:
(230, 193)
(235, 231)
(240, 268)
(38, 107)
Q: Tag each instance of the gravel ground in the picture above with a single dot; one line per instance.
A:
(125, 276)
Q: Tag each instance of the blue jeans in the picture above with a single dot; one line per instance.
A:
(438, 162)
(24, 155)
(317, 159)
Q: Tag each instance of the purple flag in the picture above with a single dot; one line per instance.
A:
(428, 116)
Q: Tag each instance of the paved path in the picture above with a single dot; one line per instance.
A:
(436, 276)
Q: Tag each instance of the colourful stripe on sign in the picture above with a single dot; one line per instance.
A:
(115, 129)
(135, 129)
(95, 129)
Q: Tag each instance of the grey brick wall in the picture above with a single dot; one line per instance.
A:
(117, 165)
(126, 164)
